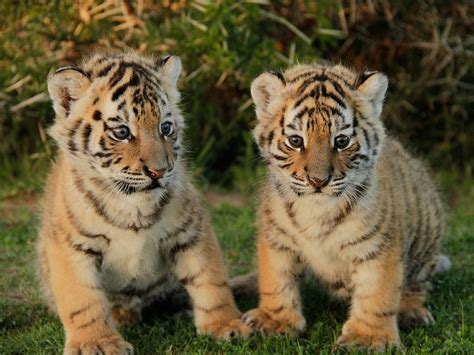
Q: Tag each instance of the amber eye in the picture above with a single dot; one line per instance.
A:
(121, 133)
(167, 129)
(296, 141)
(341, 141)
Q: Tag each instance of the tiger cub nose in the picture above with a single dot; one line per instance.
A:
(155, 174)
(317, 182)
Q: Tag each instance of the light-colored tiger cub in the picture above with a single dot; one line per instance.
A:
(344, 200)
(121, 224)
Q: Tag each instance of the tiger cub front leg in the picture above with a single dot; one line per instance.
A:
(82, 306)
(375, 302)
(279, 310)
(201, 270)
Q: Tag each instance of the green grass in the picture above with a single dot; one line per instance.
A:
(26, 326)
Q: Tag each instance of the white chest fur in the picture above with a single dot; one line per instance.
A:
(318, 228)
(132, 257)
(137, 256)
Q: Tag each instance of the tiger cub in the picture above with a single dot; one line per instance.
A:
(122, 224)
(344, 200)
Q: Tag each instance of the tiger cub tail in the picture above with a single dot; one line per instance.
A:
(443, 264)
(245, 285)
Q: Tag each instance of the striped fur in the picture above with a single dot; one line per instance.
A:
(121, 223)
(365, 217)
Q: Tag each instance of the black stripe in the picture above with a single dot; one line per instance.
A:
(71, 134)
(131, 291)
(106, 163)
(118, 75)
(279, 157)
(182, 228)
(279, 75)
(315, 93)
(98, 205)
(105, 70)
(311, 80)
(103, 155)
(366, 136)
(373, 254)
(338, 88)
(117, 93)
(334, 97)
(87, 324)
(337, 220)
(369, 235)
(134, 81)
(82, 232)
(189, 280)
(102, 143)
(304, 111)
(385, 314)
(155, 216)
(96, 254)
(72, 315)
(97, 116)
(270, 137)
(292, 216)
(183, 247)
(86, 134)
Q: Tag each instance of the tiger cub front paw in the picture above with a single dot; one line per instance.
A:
(226, 330)
(359, 335)
(284, 322)
(111, 344)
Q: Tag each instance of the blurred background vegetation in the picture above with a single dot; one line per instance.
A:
(425, 47)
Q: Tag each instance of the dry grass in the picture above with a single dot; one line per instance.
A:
(425, 47)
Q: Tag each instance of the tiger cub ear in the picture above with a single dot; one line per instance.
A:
(169, 68)
(373, 86)
(265, 89)
(65, 86)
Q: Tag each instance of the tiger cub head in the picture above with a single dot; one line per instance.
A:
(319, 128)
(117, 119)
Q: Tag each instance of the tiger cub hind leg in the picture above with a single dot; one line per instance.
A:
(124, 316)
(412, 310)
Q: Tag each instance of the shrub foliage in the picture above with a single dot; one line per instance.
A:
(425, 47)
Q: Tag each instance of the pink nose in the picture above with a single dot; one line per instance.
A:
(319, 183)
(155, 174)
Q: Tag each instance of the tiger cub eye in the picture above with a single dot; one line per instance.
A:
(296, 141)
(121, 133)
(341, 141)
(167, 129)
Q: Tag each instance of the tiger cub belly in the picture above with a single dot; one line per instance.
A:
(329, 269)
(135, 267)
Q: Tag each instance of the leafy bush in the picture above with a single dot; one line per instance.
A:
(425, 47)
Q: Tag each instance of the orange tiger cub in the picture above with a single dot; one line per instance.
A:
(122, 224)
(344, 200)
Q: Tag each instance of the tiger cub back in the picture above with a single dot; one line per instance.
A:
(122, 224)
(343, 199)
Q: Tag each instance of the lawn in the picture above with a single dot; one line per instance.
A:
(26, 326)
